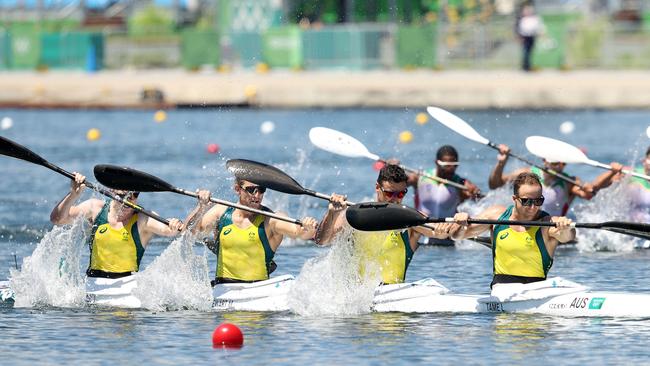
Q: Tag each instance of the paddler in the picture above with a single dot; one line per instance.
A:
(245, 242)
(119, 234)
(388, 252)
(437, 199)
(557, 192)
(520, 254)
(639, 192)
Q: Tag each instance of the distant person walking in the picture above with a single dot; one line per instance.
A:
(529, 26)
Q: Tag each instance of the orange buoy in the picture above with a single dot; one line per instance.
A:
(227, 335)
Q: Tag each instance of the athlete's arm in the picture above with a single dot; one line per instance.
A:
(561, 233)
(333, 221)
(199, 211)
(467, 230)
(209, 219)
(65, 211)
(306, 231)
(497, 178)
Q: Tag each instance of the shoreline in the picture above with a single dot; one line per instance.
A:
(165, 89)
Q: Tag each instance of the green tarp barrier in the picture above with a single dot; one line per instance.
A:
(73, 50)
(550, 49)
(199, 48)
(416, 46)
(282, 47)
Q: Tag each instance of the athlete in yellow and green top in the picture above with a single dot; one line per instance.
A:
(390, 252)
(520, 254)
(119, 235)
(246, 242)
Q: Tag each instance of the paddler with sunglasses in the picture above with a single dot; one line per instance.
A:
(119, 234)
(558, 193)
(385, 255)
(520, 254)
(245, 242)
(437, 199)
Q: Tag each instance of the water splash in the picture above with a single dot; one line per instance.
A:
(176, 279)
(52, 274)
(610, 204)
(331, 284)
(500, 196)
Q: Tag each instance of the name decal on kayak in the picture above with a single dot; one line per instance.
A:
(494, 307)
(222, 303)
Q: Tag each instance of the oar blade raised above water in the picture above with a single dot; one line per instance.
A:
(339, 143)
(555, 150)
(128, 179)
(455, 123)
(265, 175)
(378, 216)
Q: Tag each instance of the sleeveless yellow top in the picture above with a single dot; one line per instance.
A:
(243, 254)
(115, 250)
(519, 253)
(389, 252)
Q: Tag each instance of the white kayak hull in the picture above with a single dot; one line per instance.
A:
(556, 297)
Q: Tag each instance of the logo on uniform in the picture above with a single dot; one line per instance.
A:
(103, 230)
(227, 231)
(251, 236)
(125, 235)
(504, 235)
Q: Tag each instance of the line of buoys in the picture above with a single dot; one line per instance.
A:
(567, 127)
(421, 118)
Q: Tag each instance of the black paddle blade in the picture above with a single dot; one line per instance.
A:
(264, 175)
(10, 148)
(127, 179)
(378, 216)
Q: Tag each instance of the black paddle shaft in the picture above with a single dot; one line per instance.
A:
(125, 178)
(15, 150)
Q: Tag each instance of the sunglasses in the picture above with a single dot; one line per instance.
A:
(128, 195)
(393, 194)
(254, 189)
(447, 163)
(531, 201)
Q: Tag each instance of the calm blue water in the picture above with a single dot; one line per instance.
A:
(176, 151)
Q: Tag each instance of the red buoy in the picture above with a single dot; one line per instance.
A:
(227, 335)
(213, 148)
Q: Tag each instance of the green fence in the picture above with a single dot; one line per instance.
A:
(25, 46)
(73, 50)
(199, 48)
(5, 50)
(551, 48)
(282, 47)
(344, 47)
(416, 46)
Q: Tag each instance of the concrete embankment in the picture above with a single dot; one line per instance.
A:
(286, 89)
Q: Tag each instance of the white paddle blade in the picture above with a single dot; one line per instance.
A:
(455, 123)
(339, 143)
(553, 150)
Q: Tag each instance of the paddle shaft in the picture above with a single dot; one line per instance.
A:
(609, 167)
(238, 206)
(438, 179)
(66, 173)
(546, 170)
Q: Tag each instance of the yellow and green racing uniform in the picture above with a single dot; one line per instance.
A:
(243, 255)
(519, 256)
(388, 252)
(114, 253)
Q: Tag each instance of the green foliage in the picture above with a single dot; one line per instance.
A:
(151, 20)
(585, 46)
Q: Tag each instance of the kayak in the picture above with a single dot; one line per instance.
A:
(554, 296)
